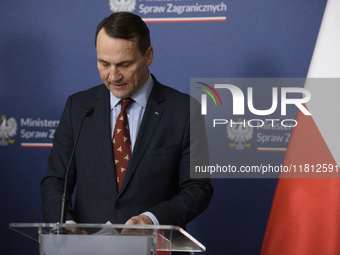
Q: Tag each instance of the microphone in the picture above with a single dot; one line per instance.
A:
(89, 111)
(64, 201)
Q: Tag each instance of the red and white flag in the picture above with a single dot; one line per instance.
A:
(305, 213)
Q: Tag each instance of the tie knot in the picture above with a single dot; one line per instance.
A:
(126, 102)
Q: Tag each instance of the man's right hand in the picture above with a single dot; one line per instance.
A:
(76, 231)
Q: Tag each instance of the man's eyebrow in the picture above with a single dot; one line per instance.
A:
(124, 62)
(101, 60)
(117, 64)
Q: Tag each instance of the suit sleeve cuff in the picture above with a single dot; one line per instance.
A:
(152, 217)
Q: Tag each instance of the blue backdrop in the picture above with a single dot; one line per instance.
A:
(47, 52)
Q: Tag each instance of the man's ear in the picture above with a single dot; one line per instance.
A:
(149, 55)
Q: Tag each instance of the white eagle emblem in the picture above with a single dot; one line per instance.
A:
(8, 129)
(240, 134)
(122, 5)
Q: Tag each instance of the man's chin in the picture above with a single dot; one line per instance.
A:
(120, 93)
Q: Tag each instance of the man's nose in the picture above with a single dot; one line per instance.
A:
(115, 74)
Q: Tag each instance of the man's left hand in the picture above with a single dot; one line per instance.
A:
(138, 220)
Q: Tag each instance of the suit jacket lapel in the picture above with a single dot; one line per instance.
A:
(152, 116)
(103, 130)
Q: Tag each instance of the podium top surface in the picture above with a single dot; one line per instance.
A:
(177, 238)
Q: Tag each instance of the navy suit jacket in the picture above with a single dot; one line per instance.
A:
(158, 177)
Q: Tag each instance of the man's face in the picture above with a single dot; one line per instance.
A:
(121, 65)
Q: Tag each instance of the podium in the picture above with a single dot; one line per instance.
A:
(109, 239)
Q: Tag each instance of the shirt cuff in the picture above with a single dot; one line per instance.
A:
(152, 217)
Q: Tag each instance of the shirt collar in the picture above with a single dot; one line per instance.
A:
(140, 97)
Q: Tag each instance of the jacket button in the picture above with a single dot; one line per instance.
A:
(118, 206)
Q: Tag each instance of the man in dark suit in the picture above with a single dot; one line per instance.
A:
(166, 133)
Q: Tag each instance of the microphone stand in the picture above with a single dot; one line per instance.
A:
(64, 200)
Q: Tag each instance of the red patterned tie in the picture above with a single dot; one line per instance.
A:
(121, 142)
